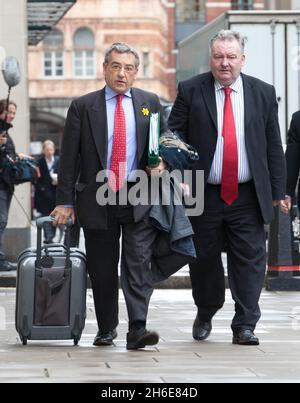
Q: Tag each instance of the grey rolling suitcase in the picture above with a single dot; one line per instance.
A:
(51, 291)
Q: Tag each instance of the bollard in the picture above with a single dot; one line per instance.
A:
(283, 252)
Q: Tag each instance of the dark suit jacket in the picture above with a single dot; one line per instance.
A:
(194, 115)
(293, 154)
(7, 149)
(85, 135)
(45, 192)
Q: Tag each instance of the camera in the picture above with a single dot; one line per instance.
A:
(4, 126)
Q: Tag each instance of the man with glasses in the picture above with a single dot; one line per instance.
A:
(108, 130)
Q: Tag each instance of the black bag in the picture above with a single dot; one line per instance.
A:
(17, 171)
(52, 297)
(177, 153)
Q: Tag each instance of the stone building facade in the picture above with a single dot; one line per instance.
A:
(193, 14)
(68, 63)
(216, 8)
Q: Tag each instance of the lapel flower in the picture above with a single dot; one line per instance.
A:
(145, 111)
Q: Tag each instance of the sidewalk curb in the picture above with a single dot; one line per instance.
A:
(8, 279)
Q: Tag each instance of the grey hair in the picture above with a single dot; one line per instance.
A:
(228, 35)
(121, 47)
(47, 143)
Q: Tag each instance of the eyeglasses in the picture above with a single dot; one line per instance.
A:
(119, 67)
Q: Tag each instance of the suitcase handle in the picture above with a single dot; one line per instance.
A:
(41, 220)
(54, 245)
(39, 223)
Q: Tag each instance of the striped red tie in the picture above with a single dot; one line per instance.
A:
(116, 178)
(229, 184)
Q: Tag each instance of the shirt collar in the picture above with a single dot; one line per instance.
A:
(51, 160)
(236, 86)
(110, 93)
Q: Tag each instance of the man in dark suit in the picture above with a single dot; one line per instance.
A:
(105, 129)
(231, 119)
(45, 188)
(293, 158)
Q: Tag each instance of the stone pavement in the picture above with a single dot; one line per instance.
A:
(177, 358)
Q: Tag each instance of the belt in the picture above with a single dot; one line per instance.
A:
(241, 184)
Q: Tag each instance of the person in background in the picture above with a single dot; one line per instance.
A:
(232, 120)
(45, 188)
(7, 148)
(292, 156)
(75, 228)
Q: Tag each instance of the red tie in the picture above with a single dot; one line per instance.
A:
(118, 157)
(229, 184)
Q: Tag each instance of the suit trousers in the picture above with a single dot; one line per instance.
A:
(5, 201)
(239, 229)
(103, 252)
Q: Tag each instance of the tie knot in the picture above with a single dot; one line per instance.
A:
(120, 98)
(227, 90)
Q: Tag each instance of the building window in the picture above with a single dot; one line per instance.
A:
(192, 10)
(53, 64)
(84, 54)
(242, 5)
(53, 46)
(146, 65)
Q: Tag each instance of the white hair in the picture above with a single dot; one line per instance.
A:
(228, 35)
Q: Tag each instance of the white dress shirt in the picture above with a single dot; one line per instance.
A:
(237, 101)
(50, 163)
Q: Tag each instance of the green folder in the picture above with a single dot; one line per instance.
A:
(154, 135)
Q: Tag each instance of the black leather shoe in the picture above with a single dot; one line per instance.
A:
(245, 338)
(7, 266)
(201, 330)
(105, 339)
(141, 338)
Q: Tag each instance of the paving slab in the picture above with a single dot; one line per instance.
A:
(176, 359)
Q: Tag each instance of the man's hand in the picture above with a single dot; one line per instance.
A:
(286, 204)
(186, 189)
(158, 170)
(61, 215)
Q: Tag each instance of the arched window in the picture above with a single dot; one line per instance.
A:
(84, 54)
(53, 54)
